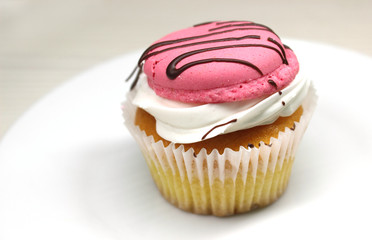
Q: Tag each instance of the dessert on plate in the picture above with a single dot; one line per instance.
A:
(218, 110)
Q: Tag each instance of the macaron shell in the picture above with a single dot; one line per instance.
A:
(221, 78)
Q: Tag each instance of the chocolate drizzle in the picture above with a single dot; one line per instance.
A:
(227, 26)
(271, 82)
(202, 24)
(173, 72)
(265, 28)
(286, 47)
(225, 22)
(281, 48)
(139, 71)
(144, 57)
(217, 126)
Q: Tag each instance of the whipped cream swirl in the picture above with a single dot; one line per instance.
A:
(188, 122)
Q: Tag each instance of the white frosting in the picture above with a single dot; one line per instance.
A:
(187, 123)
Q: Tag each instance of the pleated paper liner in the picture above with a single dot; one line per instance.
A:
(222, 184)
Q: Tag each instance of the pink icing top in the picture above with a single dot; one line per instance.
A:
(219, 62)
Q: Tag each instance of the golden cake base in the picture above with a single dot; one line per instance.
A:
(221, 198)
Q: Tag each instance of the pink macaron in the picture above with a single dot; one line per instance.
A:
(219, 62)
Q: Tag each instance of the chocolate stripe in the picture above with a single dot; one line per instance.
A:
(173, 72)
(226, 22)
(223, 124)
(242, 25)
(198, 43)
(204, 23)
(281, 48)
(169, 42)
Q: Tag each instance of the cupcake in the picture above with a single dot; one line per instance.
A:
(218, 110)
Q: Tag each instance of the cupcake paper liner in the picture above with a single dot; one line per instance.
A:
(222, 184)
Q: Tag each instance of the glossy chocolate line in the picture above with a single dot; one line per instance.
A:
(242, 25)
(272, 83)
(204, 23)
(173, 72)
(225, 22)
(287, 47)
(281, 48)
(134, 83)
(169, 42)
(131, 74)
(221, 125)
(198, 43)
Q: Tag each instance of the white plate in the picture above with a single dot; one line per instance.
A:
(70, 170)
